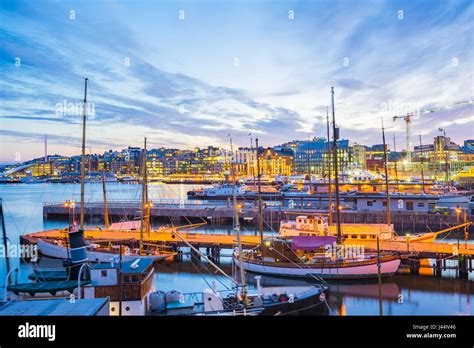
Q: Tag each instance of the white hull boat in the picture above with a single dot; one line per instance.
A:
(61, 252)
(355, 271)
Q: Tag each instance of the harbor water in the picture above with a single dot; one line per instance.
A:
(403, 294)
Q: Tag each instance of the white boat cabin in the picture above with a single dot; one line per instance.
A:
(318, 225)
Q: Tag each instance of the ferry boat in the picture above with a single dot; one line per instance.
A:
(267, 301)
(318, 225)
(451, 196)
(133, 278)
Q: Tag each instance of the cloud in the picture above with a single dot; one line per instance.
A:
(182, 87)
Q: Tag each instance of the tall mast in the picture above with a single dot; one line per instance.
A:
(260, 210)
(237, 225)
(396, 168)
(421, 162)
(329, 167)
(252, 163)
(147, 201)
(445, 149)
(336, 179)
(4, 235)
(143, 169)
(385, 166)
(83, 157)
(106, 208)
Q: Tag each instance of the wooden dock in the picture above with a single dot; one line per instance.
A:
(411, 252)
(158, 237)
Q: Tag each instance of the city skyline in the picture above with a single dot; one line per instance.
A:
(186, 75)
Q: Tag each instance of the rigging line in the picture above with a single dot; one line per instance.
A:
(312, 275)
(213, 274)
(40, 200)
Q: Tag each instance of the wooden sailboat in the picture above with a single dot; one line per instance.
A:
(317, 256)
(318, 224)
(284, 300)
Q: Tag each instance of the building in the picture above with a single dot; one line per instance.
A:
(402, 203)
(273, 162)
(311, 157)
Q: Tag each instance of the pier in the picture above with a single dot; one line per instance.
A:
(223, 212)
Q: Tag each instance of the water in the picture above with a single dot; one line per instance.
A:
(402, 295)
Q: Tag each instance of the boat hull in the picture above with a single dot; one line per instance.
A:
(61, 252)
(313, 304)
(387, 269)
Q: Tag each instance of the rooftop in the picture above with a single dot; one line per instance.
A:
(135, 266)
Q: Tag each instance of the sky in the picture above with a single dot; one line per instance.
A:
(189, 73)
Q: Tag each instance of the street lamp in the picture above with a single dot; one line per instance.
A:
(71, 205)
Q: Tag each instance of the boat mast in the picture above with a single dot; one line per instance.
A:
(83, 157)
(106, 209)
(260, 210)
(143, 169)
(4, 233)
(396, 168)
(385, 166)
(237, 225)
(336, 179)
(422, 170)
(329, 167)
(147, 202)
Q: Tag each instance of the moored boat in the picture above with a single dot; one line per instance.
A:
(313, 257)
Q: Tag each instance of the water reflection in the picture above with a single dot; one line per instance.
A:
(401, 295)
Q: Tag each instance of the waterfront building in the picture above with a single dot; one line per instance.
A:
(273, 162)
(398, 203)
(311, 157)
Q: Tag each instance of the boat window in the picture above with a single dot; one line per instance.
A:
(370, 203)
(384, 203)
(409, 205)
(421, 204)
(103, 273)
(135, 279)
(354, 236)
(126, 279)
(363, 236)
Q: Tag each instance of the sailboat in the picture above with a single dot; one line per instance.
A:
(310, 256)
(319, 224)
(280, 300)
(102, 249)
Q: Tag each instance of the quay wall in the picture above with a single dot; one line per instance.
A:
(222, 214)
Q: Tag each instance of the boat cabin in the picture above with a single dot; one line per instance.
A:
(136, 284)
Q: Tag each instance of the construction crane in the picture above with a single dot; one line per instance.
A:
(407, 118)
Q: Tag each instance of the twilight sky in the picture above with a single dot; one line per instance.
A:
(188, 73)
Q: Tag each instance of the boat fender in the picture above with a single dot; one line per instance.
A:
(173, 296)
(158, 301)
